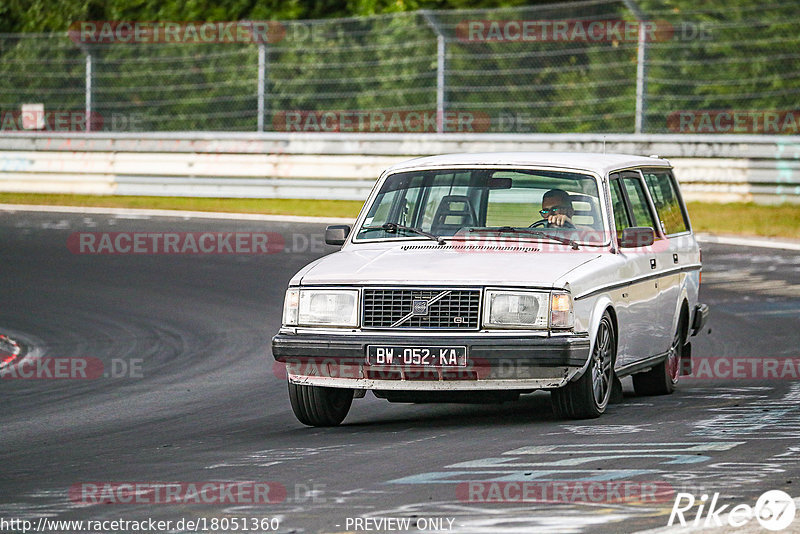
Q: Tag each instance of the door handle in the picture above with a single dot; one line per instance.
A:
(652, 263)
(674, 258)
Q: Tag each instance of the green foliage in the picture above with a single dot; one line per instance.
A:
(57, 15)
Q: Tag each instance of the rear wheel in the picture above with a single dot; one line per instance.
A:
(662, 379)
(320, 406)
(587, 397)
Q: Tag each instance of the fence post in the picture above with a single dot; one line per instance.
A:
(641, 68)
(440, 51)
(262, 77)
(440, 66)
(88, 84)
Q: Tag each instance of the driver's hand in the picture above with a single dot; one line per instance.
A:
(559, 220)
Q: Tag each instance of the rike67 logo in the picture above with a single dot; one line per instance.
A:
(774, 510)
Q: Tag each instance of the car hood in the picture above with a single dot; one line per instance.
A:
(431, 264)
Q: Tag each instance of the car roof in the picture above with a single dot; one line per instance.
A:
(586, 161)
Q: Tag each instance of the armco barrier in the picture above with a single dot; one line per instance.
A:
(344, 166)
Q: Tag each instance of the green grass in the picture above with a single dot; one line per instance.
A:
(272, 206)
(734, 218)
(746, 219)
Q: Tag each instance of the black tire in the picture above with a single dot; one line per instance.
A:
(663, 378)
(587, 397)
(320, 406)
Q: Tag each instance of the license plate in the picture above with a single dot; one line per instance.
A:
(431, 356)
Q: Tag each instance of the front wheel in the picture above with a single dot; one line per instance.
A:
(320, 406)
(662, 379)
(587, 397)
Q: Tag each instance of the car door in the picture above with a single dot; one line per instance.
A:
(643, 332)
(679, 251)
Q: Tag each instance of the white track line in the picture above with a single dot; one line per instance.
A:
(762, 242)
(175, 213)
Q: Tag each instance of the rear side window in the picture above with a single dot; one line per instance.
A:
(661, 185)
(638, 200)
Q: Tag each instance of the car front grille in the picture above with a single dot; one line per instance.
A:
(435, 308)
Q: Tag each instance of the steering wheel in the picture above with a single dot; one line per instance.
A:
(544, 223)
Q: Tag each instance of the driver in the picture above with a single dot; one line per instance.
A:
(557, 209)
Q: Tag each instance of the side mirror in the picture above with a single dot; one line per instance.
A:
(336, 234)
(637, 236)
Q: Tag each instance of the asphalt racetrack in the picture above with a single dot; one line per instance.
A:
(189, 393)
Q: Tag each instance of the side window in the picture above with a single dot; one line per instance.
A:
(379, 212)
(396, 205)
(662, 189)
(638, 199)
(621, 217)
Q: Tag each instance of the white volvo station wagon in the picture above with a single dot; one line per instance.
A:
(481, 277)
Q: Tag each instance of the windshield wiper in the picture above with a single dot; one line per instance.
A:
(510, 229)
(393, 228)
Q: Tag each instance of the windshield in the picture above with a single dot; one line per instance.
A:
(466, 202)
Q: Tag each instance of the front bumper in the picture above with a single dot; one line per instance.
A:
(493, 362)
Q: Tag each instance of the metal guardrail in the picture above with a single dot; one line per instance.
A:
(674, 145)
(344, 166)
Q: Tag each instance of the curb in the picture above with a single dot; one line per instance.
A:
(11, 353)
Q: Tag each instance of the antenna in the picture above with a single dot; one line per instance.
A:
(604, 144)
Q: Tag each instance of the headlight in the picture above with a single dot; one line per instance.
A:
(515, 309)
(321, 307)
(527, 309)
